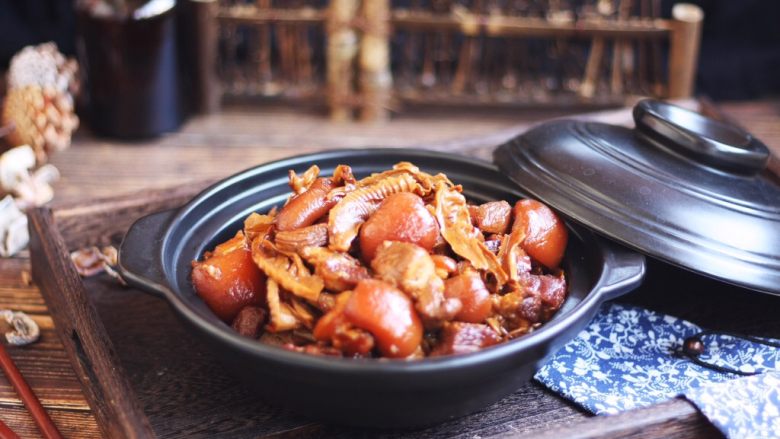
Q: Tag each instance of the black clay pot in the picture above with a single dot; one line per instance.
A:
(157, 251)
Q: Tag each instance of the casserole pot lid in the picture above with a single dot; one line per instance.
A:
(681, 187)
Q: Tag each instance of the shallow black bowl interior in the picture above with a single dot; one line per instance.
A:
(157, 252)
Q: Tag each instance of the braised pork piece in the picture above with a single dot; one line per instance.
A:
(395, 265)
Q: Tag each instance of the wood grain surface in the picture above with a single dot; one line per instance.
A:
(212, 147)
(82, 333)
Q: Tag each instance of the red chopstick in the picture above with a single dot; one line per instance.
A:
(39, 415)
(6, 432)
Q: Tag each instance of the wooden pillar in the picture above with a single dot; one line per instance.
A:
(684, 49)
(375, 77)
(340, 55)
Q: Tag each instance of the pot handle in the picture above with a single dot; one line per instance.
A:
(625, 270)
(139, 254)
(703, 139)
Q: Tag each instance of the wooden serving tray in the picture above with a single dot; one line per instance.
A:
(144, 375)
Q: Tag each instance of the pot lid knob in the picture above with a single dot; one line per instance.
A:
(700, 138)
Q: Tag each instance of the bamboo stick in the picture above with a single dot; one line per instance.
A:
(643, 50)
(619, 49)
(410, 52)
(503, 26)
(258, 15)
(341, 50)
(464, 65)
(509, 80)
(591, 77)
(264, 55)
(305, 69)
(232, 69)
(658, 79)
(589, 81)
(428, 75)
(443, 53)
(375, 77)
(465, 60)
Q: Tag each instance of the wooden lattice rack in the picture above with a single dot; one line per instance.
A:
(372, 56)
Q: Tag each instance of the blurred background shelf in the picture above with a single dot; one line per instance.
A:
(368, 57)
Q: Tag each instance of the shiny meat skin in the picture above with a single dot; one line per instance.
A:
(249, 321)
(394, 265)
(544, 234)
(227, 280)
(353, 210)
(306, 208)
(550, 289)
(493, 242)
(535, 300)
(469, 288)
(353, 342)
(388, 314)
(411, 269)
(492, 217)
(339, 271)
(310, 236)
(464, 338)
(400, 217)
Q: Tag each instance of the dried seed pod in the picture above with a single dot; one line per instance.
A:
(92, 260)
(87, 261)
(25, 330)
(43, 118)
(45, 66)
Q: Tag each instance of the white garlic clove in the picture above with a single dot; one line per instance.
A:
(14, 164)
(25, 330)
(46, 174)
(17, 237)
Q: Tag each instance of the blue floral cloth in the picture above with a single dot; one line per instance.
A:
(629, 357)
(747, 407)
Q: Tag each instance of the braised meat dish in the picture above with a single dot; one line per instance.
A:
(395, 265)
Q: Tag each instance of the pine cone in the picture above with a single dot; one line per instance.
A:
(45, 66)
(43, 118)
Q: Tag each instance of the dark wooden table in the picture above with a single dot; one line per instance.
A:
(210, 147)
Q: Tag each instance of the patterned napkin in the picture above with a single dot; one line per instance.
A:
(743, 408)
(630, 357)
